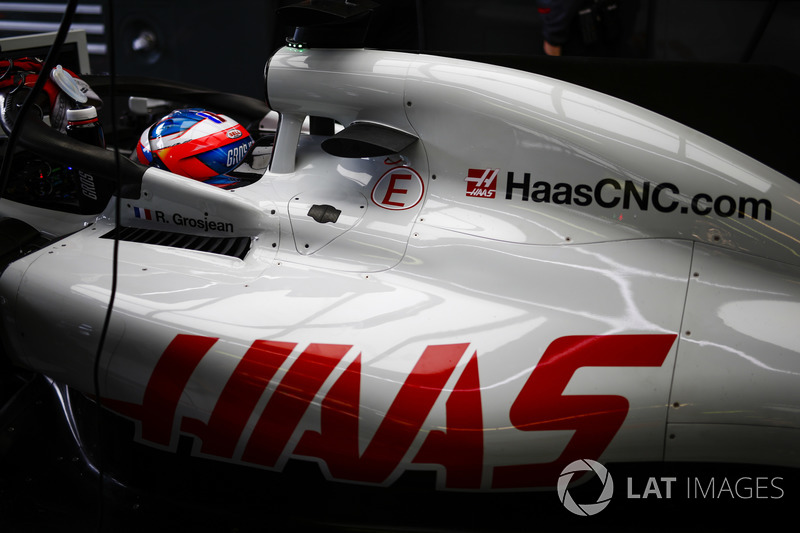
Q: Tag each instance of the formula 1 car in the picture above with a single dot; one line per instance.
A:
(482, 274)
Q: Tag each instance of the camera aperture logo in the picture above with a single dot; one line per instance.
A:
(585, 509)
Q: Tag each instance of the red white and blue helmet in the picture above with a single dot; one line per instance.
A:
(194, 143)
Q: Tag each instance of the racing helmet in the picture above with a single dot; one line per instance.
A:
(194, 143)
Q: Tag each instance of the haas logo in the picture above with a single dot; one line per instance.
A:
(279, 430)
(482, 183)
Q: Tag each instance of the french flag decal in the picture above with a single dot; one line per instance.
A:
(142, 213)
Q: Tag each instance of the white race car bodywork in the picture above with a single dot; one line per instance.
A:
(547, 274)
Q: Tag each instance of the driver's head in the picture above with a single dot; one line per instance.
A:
(194, 143)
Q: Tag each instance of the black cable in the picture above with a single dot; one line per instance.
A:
(5, 166)
(114, 268)
(758, 34)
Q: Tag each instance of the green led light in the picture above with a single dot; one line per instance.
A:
(294, 45)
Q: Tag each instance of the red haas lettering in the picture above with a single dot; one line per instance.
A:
(540, 405)
(337, 442)
(458, 447)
